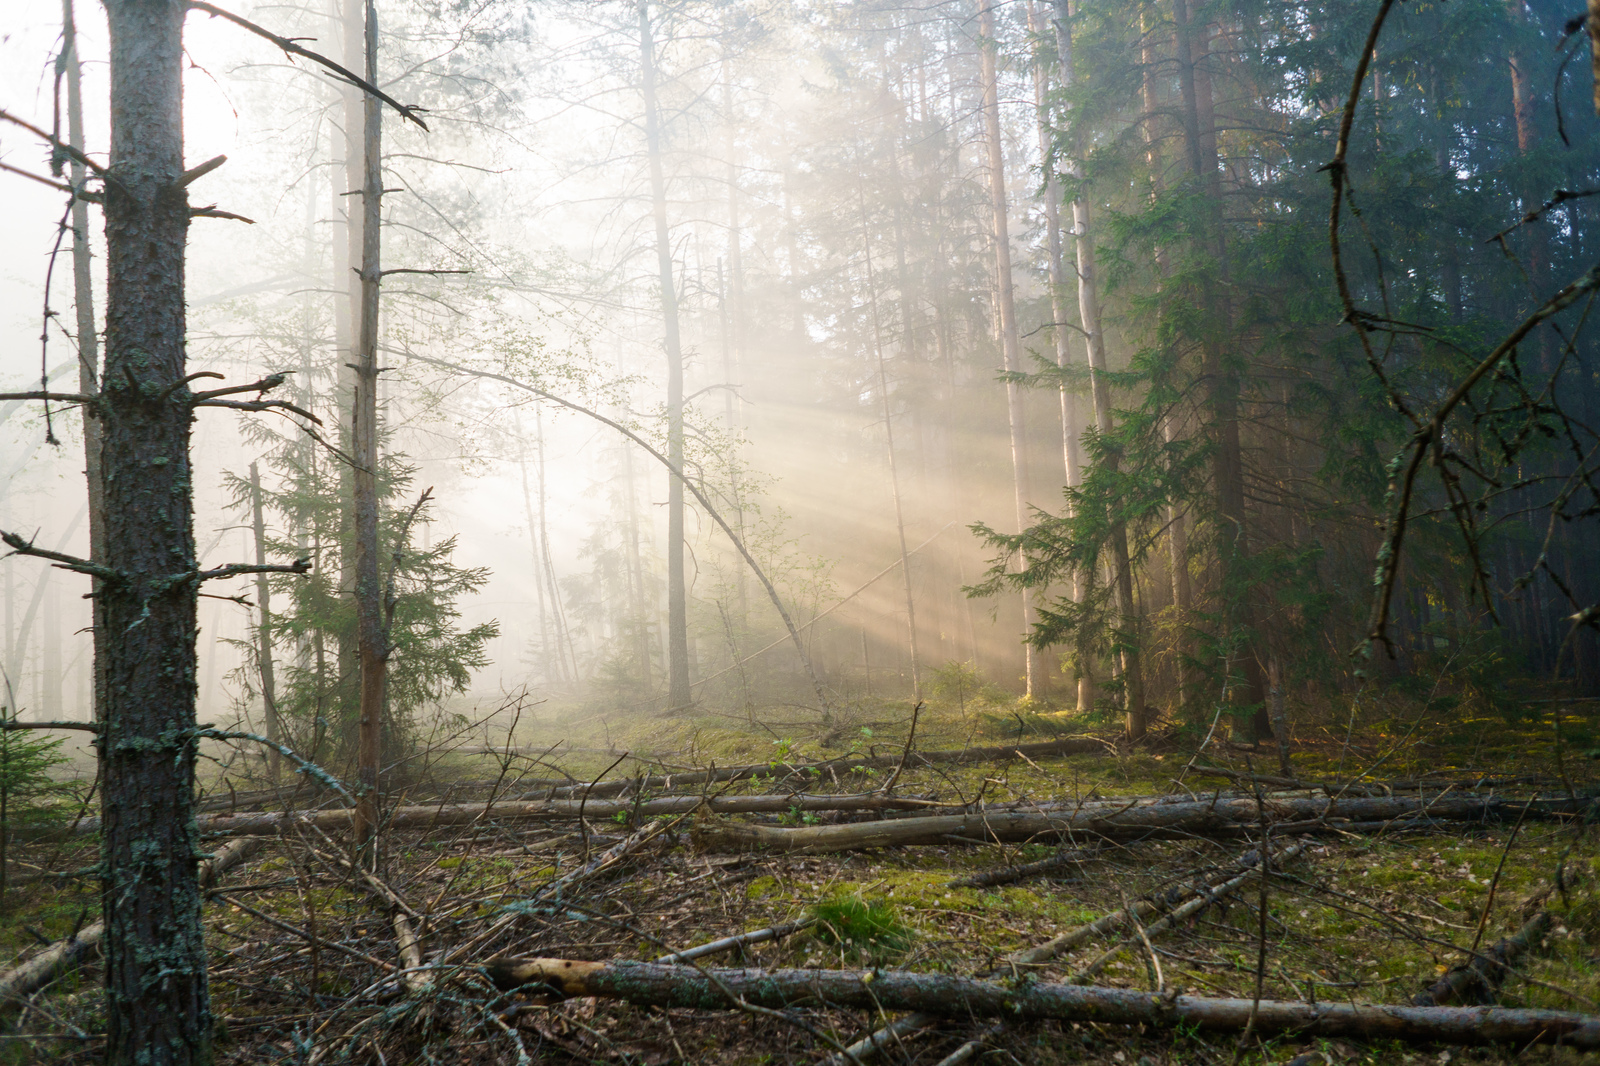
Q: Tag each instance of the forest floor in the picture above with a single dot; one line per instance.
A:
(305, 953)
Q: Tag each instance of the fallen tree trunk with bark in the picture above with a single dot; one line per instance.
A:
(434, 815)
(1220, 818)
(1478, 979)
(67, 955)
(685, 987)
(1197, 894)
(1050, 749)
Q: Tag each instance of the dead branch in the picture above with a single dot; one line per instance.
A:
(1221, 818)
(683, 987)
(67, 955)
(1480, 977)
(743, 940)
(293, 48)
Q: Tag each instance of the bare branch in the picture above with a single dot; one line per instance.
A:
(266, 384)
(19, 546)
(299, 566)
(213, 212)
(288, 45)
(60, 146)
(261, 405)
(195, 173)
(88, 727)
(54, 397)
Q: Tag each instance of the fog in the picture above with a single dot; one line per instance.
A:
(533, 178)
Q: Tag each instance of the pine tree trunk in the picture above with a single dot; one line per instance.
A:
(88, 338)
(1221, 380)
(1071, 431)
(894, 468)
(1094, 334)
(158, 1009)
(371, 646)
(678, 695)
(1006, 313)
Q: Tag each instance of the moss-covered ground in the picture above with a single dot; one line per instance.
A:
(1372, 917)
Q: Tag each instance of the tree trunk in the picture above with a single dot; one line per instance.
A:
(88, 340)
(1006, 313)
(1071, 432)
(1094, 335)
(158, 1008)
(1223, 818)
(371, 646)
(687, 987)
(678, 695)
(888, 432)
(1221, 380)
(269, 698)
(535, 556)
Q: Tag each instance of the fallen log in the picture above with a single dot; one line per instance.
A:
(429, 816)
(1223, 818)
(67, 955)
(1478, 979)
(1049, 749)
(685, 987)
(1041, 953)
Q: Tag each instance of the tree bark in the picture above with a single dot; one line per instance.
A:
(894, 469)
(686, 987)
(1094, 334)
(1006, 312)
(157, 1000)
(1221, 380)
(269, 698)
(1071, 431)
(1481, 976)
(1225, 818)
(371, 647)
(678, 694)
(88, 340)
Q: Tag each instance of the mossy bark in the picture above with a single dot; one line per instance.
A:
(158, 1008)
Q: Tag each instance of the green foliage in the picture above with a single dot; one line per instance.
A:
(959, 683)
(32, 793)
(314, 623)
(860, 925)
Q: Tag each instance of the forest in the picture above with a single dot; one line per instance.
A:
(775, 531)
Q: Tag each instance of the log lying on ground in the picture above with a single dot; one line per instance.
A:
(1050, 749)
(429, 816)
(1477, 980)
(1059, 945)
(67, 955)
(1144, 821)
(685, 987)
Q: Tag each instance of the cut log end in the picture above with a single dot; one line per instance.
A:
(564, 977)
